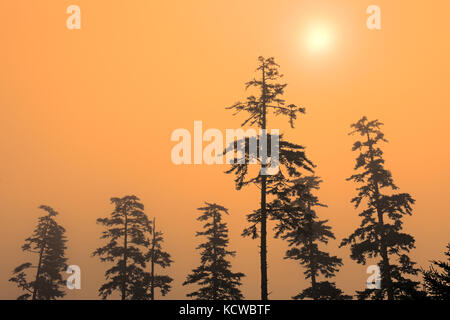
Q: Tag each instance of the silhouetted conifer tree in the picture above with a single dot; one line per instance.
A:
(269, 101)
(380, 233)
(216, 280)
(49, 243)
(126, 229)
(437, 282)
(297, 222)
(158, 257)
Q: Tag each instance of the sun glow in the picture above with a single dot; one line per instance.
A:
(318, 38)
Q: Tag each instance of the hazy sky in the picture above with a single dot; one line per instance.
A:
(87, 114)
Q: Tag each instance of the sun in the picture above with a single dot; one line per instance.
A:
(318, 38)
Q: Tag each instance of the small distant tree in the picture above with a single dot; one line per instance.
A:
(297, 222)
(158, 257)
(216, 280)
(437, 282)
(126, 229)
(380, 233)
(49, 243)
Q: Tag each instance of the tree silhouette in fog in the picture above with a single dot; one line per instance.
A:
(437, 282)
(269, 101)
(297, 222)
(126, 229)
(48, 241)
(380, 233)
(216, 280)
(158, 257)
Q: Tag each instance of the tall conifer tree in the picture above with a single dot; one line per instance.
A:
(158, 257)
(269, 101)
(298, 223)
(380, 234)
(49, 243)
(216, 280)
(126, 229)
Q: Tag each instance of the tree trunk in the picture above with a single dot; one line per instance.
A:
(36, 282)
(152, 288)
(311, 257)
(385, 259)
(125, 247)
(263, 253)
(386, 275)
(39, 267)
(264, 295)
(313, 286)
(214, 263)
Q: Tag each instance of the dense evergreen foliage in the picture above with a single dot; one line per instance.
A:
(294, 209)
(437, 278)
(214, 277)
(380, 235)
(126, 229)
(48, 242)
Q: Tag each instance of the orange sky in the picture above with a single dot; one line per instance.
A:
(87, 114)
